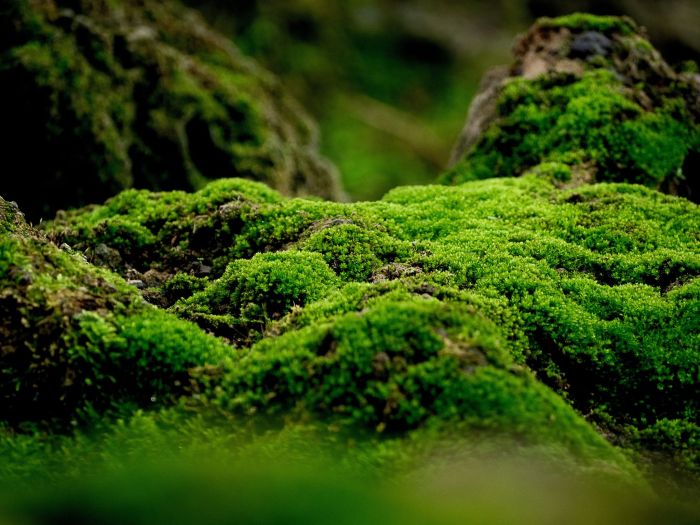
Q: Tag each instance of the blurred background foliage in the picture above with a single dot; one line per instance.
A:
(390, 80)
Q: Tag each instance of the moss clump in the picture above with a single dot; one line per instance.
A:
(252, 292)
(99, 97)
(401, 363)
(594, 288)
(77, 341)
(353, 251)
(587, 120)
(593, 94)
(171, 232)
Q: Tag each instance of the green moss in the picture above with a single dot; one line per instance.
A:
(588, 22)
(77, 341)
(397, 365)
(677, 438)
(555, 171)
(593, 117)
(595, 289)
(98, 101)
(355, 252)
(509, 306)
(268, 286)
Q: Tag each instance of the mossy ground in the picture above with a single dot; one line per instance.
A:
(594, 289)
(561, 319)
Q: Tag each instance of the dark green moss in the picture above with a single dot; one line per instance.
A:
(96, 102)
(77, 341)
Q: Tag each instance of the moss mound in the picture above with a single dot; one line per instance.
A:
(102, 96)
(595, 289)
(590, 97)
(81, 343)
(78, 341)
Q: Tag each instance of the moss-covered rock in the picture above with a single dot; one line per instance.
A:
(102, 96)
(537, 306)
(77, 341)
(590, 93)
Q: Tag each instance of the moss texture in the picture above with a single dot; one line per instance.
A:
(102, 96)
(558, 316)
(595, 289)
(77, 341)
(593, 94)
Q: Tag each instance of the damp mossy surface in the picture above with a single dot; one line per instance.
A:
(421, 299)
(545, 309)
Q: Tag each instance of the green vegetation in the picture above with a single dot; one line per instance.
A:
(595, 289)
(547, 304)
(607, 108)
(154, 100)
(388, 81)
(588, 121)
(78, 341)
(585, 22)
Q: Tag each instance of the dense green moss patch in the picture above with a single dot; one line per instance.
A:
(539, 307)
(594, 288)
(100, 97)
(77, 341)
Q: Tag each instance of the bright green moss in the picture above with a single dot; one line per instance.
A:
(595, 289)
(596, 118)
(554, 171)
(355, 252)
(265, 287)
(401, 364)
